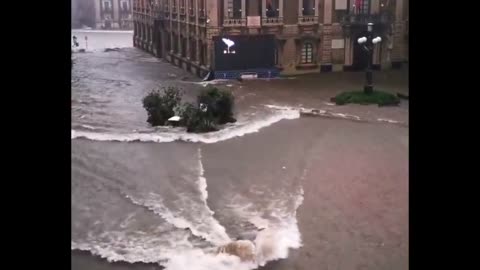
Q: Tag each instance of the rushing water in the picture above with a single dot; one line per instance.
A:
(139, 194)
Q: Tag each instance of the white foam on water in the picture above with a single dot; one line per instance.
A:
(275, 238)
(275, 243)
(209, 228)
(272, 243)
(236, 130)
(346, 116)
(88, 127)
(388, 121)
(212, 82)
(202, 181)
(140, 247)
(199, 260)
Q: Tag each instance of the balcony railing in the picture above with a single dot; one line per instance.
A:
(174, 9)
(182, 10)
(378, 18)
(234, 22)
(272, 21)
(308, 20)
(201, 13)
(182, 18)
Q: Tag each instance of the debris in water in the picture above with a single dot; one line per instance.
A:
(174, 118)
(209, 77)
(112, 50)
(244, 249)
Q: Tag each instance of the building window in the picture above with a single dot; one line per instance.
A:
(273, 8)
(362, 6)
(175, 43)
(182, 6)
(234, 9)
(107, 6)
(308, 8)
(191, 7)
(201, 8)
(167, 42)
(307, 53)
(184, 46)
(193, 51)
(124, 6)
(202, 54)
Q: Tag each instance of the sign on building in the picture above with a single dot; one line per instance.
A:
(338, 44)
(253, 21)
(340, 4)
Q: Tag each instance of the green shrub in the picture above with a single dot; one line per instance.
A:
(161, 107)
(360, 97)
(195, 120)
(217, 109)
(220, 104)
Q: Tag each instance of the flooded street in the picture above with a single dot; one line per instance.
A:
(309, 192)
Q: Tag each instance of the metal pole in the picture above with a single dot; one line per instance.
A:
(368, 88)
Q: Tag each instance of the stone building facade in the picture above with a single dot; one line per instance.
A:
(309, 36)
(114, 14)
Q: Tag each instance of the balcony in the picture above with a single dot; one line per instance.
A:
(232, 22)
(272, 21)
(182, 10)
(363, 19)
(174, 9)
(305, 20)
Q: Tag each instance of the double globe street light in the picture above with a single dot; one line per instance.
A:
(368, 43)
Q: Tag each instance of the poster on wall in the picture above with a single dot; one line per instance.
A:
(241, 52)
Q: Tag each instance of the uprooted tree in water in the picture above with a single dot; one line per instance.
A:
(214, 107)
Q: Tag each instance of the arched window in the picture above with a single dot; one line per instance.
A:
(307, 53)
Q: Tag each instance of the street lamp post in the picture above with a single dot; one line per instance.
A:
(368, 44)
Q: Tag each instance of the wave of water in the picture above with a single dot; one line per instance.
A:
(176, 250)
(271, 244)
(229, 132)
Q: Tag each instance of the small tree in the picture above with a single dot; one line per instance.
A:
(161, 107)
